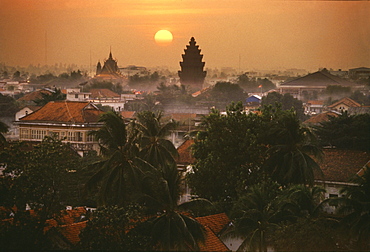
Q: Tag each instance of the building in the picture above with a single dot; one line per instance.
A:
(313, 107)
(313, 84)
(359, 73)
(338, 167)
(191, 73)
(109, 71)
(344, 104)
(69, 121)
(102, 96)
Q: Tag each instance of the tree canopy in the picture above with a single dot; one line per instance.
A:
(345, 131)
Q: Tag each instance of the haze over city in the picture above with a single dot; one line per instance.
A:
(244, 34)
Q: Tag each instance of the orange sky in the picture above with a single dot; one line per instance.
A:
(252, 34)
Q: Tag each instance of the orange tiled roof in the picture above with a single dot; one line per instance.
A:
(346, 101)
(127, 114)
(215, 222)
(183, 116)
(103, 93)
(342, 165)
(184, 151)
(315, 102)
(212, 242)
(34, 95)
(65, 111)
(72, 231)
(323, 117)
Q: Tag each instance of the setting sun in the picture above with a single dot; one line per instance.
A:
(163, 37)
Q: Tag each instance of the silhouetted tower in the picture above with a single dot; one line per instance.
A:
(192, 74)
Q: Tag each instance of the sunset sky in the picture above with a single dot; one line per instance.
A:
(250, 34)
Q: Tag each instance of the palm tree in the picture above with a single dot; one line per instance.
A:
(303, 200)
(154, 147)
(3, 129)
(119, 169)
(356, 206)
(289, 157)
(256, 215)
(171, 228)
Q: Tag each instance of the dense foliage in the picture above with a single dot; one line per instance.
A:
(345, 131)
(286, 102)
(238, 149)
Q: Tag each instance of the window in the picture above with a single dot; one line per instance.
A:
(90, 138)
(24, 134)
(74, 136)
(38, 134)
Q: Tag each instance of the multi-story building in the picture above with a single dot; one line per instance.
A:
(69, 121)
(313, 84)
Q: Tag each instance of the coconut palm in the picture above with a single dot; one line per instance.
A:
(256, 215)
(171, 228)
(154, 147)
(289, 157)
(356, 207)
(119, 169)
(302, 200)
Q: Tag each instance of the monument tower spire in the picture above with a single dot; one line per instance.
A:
(192, 74)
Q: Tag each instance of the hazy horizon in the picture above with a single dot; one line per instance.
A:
(243, 34)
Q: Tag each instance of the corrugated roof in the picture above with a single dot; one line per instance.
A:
(65, 111)
(341, 165)
(319, 78)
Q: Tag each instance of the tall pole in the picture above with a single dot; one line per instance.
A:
(46, 47)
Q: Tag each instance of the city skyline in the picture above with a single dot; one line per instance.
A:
(241, 34)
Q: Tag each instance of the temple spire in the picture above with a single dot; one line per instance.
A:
(192, 74)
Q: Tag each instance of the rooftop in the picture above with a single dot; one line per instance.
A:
(319, 78)
(342, 165)
(346, 101)
(65, 111)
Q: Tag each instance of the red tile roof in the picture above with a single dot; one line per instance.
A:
(65, 111)
(215, 222)
(127, 114)
(184, 151)
(34, 95)
(72, 231)
(323, 117)
(315, 102)
(212, 242)
(183, 117)
(346, 101)
(342, 165)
